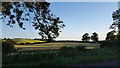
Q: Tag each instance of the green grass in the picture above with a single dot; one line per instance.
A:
(0, 42)
(63, 57)
(69, 55)
(18, 41)
(47, 46)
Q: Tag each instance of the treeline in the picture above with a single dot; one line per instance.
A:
(94, 37)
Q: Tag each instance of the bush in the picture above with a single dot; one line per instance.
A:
(27, 42)
(105, 44)
(8, 46)
(21, 43)
(110, 43)
(66, 48)
(80, 47)
(37, 42)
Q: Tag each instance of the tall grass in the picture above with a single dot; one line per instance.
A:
(63, 57)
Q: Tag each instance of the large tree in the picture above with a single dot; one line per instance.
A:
(116, 22)
(8, 47)
(111, 36)
(94, 37)
(86, 37)
(37, 13)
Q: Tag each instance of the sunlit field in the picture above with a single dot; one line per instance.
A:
(47, 46)
(18, 41)
(54, 53)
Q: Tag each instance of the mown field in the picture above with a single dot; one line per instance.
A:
(24, 41)
(72, 54)
(33, 45)
(56, 45)
(64, 57)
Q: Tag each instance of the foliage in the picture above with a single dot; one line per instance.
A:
(118, 36)
(80, 47)
(37, 13)
(111, 36)
(56, 58)
(66, 48)
(8, 46)
(86, 37)
(94, 37)
(113, 40)
(116, 21)
(110, 43)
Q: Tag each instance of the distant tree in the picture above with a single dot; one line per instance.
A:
(94, 37)
(85, 37)
(111, 36)
(4, 38)
(37, 13)
(8, 46)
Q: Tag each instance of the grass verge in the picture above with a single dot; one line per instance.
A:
(62, 57)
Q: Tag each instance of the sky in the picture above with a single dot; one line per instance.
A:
(79, 18)
(82, 0)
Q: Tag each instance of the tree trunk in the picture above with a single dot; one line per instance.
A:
(119, 32)
(50, 39)
(119, 28)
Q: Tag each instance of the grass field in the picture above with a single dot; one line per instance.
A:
(62, 57)
(18, 41)
(0, 42)
(47, 46)
(51, 57)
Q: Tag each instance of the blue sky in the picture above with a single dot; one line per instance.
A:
(79, 18)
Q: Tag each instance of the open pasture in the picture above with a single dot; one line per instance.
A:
(56, 45)
(19, 41)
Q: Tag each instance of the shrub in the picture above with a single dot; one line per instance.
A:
(110, 43)
(37, 42)
(8, 46)
(105, 44)
(66, 48)
(80, 47)
(22, 43)
(27, 42)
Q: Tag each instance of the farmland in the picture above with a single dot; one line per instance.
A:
(24, 41)
(55, 45)
(35, 45)
(54, 53)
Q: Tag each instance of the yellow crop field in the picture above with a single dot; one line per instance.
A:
(26, 40)
(57, 45)
(18, 41)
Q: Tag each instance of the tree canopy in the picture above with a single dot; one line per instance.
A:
(8, 46)
(116, 22)
(94, 37)
(86, 37)
(37, 13)
(111, 35)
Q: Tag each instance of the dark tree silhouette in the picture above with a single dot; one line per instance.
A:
(86, 37)
(116, 22)
(8, 47)
(94, 37)
(111, 36)
(37, 13)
